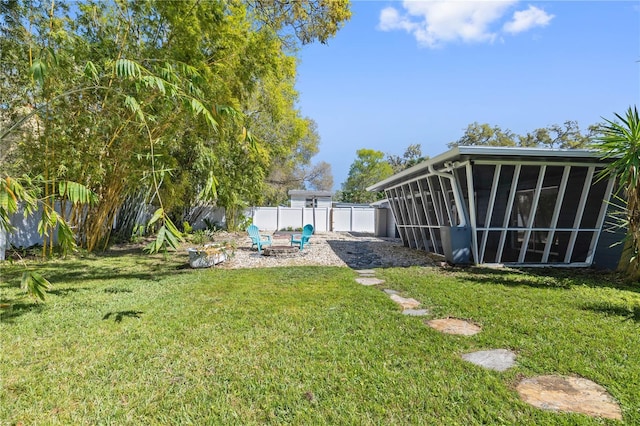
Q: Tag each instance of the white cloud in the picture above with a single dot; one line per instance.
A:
(390, 20)
(524, 20)
(437, 22)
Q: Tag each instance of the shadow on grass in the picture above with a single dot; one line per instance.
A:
(116, 290)
(628, 313)
(119, 316)
(515, 278)
(549, 278)
(66, 291)
(70, 271)
(11, 311)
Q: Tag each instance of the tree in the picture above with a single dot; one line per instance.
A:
(483, 134)
(368, 168)
(565, 136)
(154, 99)
(320, 177)
(308, 19)
(412, 156)
(619, 141)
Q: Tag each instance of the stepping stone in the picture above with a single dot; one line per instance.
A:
(495, 359)
(454, 326)
(573, 394)
(369, 281)
(366, 272)
(415, 312)
(404, 302)
(389, 291)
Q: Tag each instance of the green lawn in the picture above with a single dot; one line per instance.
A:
(133, 339)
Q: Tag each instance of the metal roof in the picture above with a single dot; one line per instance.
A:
(471, 153)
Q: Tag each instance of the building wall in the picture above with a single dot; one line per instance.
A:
(322, 202)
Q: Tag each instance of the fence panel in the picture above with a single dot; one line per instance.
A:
(278, 218)
(353, 219)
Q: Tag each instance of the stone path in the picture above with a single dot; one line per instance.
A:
(549, 392)
(495, 359)
(571, 394)
(454, 326)
(369, 281)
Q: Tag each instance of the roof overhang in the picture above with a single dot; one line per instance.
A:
(301, 192)
(475, 153)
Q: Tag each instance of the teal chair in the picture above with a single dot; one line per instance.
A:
(302, 239)
(258, 240)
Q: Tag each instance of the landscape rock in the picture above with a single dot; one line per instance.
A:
(494, 359)
(572, 394)
(369, 281)
(454, 326)
(416, 312)
(406, 303)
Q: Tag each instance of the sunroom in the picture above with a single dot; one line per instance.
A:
(510, 206)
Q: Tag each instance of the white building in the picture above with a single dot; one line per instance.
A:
(512, 206)
(310, 199)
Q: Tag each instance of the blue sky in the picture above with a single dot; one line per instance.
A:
(419, 72)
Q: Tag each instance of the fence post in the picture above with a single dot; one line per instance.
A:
(327, 220)
(351, 220)
(278, 218)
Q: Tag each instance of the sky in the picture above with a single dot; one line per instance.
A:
(419, 72)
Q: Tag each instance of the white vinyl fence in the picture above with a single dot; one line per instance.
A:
(337, 219)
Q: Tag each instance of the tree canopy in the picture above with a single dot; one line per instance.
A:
(368, 168)
(168, 102)
(412, 156)
(567, 135)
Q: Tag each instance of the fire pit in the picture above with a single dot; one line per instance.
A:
(281, 251)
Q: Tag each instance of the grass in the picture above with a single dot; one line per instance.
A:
(135, 339)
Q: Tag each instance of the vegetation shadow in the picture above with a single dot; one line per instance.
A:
(14, 310)
(556, 278)
(119, 316)
(514, 278)
(628, 313)
(66, 291)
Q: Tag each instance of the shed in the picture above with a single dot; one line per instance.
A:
(504, 205)
(302, 198)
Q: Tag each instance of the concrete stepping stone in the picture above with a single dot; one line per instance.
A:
(369, 281)
(366, 272)
(454, 326)
(390, 292)
(572, 394)
(405, 302)
(415, 312)
(494, 359)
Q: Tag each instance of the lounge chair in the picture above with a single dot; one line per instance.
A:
(302, 239)
(258, 240)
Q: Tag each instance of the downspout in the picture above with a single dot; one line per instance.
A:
(456, 194)
(455, 250)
